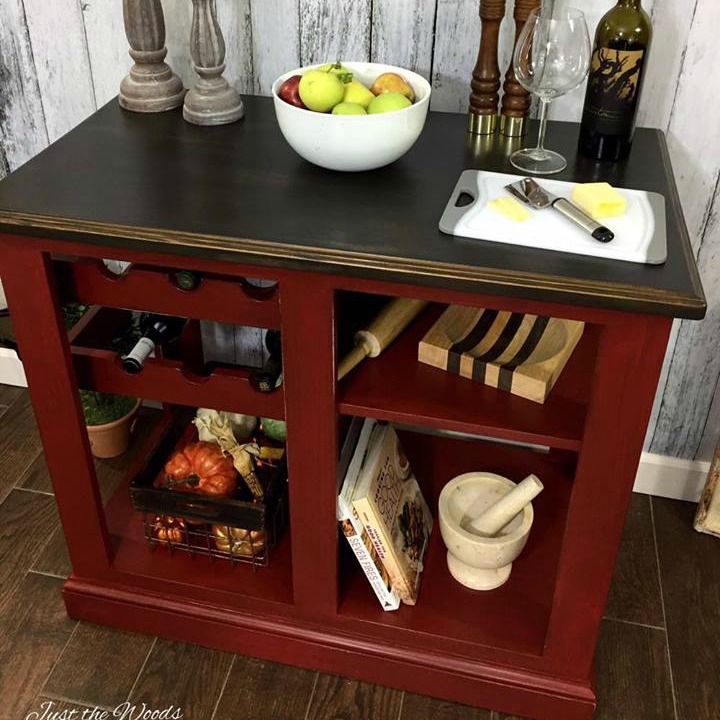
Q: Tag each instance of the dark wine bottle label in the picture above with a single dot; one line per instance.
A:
(613, 90)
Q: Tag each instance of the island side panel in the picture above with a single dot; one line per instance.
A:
(627, 371)
(42, 339)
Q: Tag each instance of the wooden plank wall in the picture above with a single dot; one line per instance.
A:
(50, 80)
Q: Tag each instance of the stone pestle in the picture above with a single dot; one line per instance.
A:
(500, 513)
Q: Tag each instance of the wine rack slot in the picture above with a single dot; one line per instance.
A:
(220, 298)
(166, 380)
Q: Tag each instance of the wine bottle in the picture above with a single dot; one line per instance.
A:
(615, 81)
(269, 376)
(187, 279)
(156, 330)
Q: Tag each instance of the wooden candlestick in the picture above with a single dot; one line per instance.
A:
(151, 85)
(211, 101)
(516, 100)
(485, 85)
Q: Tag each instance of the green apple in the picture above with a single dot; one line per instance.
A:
(337, 69)
(387, 102)
(348, 108)
(356, 92)
(321, 91)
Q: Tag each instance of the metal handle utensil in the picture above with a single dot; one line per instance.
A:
(574, 213)
(532, 194)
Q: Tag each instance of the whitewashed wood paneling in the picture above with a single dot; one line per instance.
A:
(402, 34)
(333, 30)
(695, 150)
(178, 21)
(671, 26)
(235, 23)
(692, 131)
(22, 121)
(107, 47)
(457, 38)
(275, 40)
(57, 36)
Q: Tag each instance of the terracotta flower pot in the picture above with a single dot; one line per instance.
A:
(112, 439)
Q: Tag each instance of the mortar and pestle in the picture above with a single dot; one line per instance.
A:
(485, 521)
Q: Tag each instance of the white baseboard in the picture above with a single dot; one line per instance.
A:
(671, 477)
(11, 369)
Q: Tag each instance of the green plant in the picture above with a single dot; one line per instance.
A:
(72, 312)
(101, 408)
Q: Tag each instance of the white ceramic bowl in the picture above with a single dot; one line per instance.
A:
(476, 561)
(354, 143)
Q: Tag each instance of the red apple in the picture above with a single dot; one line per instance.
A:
(290, 93)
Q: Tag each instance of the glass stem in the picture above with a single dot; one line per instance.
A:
(544, 104)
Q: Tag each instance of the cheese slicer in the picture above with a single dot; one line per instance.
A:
(529, 192)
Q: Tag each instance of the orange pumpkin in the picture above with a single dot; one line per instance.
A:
(201, 468)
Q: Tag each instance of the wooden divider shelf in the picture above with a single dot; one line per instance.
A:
(396, 387)
(221, 298)
(162, 379)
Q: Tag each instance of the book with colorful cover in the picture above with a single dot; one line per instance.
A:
(352, 457)
(388, 500)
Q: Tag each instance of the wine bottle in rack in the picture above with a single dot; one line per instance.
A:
(617, 70)
(269, 376)
(156, 330)
(187, 279)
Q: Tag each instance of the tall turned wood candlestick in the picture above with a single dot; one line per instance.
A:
(516, 100)
(485, 83)
(151, 85)
(211, 101)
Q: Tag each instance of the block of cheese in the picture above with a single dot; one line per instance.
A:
(600, 200)
(510, 208)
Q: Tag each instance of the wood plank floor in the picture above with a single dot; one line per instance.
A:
(658, 655)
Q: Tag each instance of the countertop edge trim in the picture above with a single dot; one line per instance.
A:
(269, 249)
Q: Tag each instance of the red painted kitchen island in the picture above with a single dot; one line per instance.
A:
(234, 202)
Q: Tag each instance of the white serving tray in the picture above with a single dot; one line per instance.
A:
(640, 235)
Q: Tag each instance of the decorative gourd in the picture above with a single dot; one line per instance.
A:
(168, 529)
(241, 425)
(218, 425)
(237, 541)
(201, 468)
(274, 429)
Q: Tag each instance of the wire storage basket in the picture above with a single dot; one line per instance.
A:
(239, 529)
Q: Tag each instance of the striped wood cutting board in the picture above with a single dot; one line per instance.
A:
(523, 354)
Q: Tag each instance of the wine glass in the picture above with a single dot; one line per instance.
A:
(552, 57)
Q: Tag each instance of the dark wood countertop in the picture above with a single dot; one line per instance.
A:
(240, 193)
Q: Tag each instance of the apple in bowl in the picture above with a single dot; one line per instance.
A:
(349, 140)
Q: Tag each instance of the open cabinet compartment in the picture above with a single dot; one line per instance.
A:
(189, 576)
(450, 425)
(514, 617)
(176, 378)
(398, 388)
(202, 515)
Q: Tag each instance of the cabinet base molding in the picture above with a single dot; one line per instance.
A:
(313, 644)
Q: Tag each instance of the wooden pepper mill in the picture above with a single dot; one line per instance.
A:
(151, 85)
(211, 101)
(485, 85)
(516, 100)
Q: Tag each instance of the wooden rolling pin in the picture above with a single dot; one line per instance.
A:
(498, 515)
(391, 321)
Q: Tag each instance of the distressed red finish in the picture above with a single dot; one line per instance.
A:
(526, 649)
